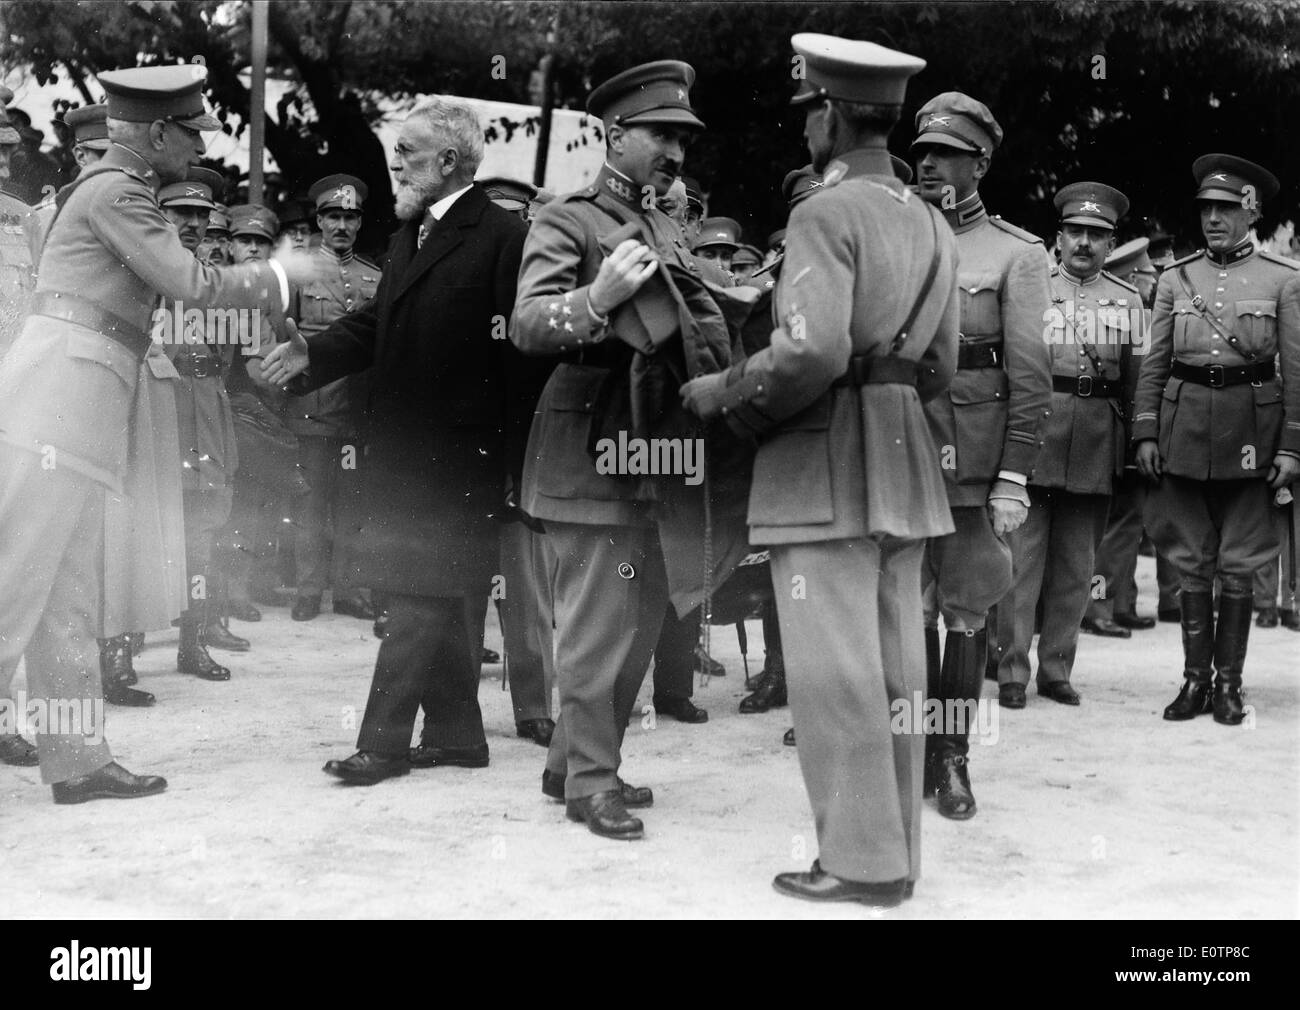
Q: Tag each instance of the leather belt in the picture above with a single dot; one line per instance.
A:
(1218, 376)
(198, 366)
(979, 356)
(869, 371)
(71, 309)
(1087, 386)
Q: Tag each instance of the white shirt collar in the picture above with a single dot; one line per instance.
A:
(437, 210)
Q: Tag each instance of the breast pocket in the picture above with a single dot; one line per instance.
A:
(981, 309)
(1188, 326)
(1256, 325)
(562, 440)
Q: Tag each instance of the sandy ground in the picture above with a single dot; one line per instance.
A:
(1102, 811)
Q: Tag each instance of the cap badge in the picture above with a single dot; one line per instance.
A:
(191, 191)
(347, 196)
(681, 95)
(1089, 205)
(1219, 177)
(935, 121)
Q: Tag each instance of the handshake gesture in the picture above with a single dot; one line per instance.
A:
(287, 360)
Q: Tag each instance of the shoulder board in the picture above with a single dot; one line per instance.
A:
(1011, 229)
(1280, 260)
(1122, 283)
(1055, 270)
(7, 200)
(589, 193)
(1187, 259)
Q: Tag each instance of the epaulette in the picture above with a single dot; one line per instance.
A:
(587, 193)
(1011, 229)
(1290, 264)
(1121, 282)
(1187, 259)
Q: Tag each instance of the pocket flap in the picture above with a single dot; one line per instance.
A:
(576, 387)
(1172, 388)
(104, 351)
(1268, 392)
(1257, 307)
(1184, 306)
(814, 418)
(978, 385)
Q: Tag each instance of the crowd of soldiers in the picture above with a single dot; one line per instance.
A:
(909, 410)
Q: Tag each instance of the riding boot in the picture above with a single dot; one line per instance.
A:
(961, 677)
(1229, 658)
(1198, 653)
(931, 691)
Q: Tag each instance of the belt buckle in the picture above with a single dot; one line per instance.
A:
(199, 367)
(1218, 379)
(1084, 386)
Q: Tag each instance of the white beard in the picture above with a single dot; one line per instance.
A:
(415, 195)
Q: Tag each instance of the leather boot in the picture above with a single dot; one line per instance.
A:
(1198, 653)
(961, 676)
(931, 691)
(192, 656)
(117, 675)
(1229, 657)
(770, 694)
(217, 633)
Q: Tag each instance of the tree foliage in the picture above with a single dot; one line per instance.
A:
(1127, 92)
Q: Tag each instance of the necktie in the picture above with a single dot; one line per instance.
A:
(426, 227)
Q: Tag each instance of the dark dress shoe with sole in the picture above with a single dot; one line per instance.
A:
(771, 695)
(1290, 619)
(1059, 691)
(305, 608)
(634, 797)
(428, 756)
(788, 739)
(1011, 695)
(1267, 618)
(818, 885)
(605, 814)
(217, 635)
(952, 787)
(14, 750)
(112, 782)
(1134, 622)
(490, 657)
(706, 664)
(1104, 627)
(681, 709)
(119, 693)
(365, 768)
(539, 731)
(195, 660)
(359, 609)
(243, 610)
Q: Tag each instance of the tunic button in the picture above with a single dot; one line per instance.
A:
(1214, 350)
(973, 290)
(1223, 275)
(1218, 305)
(1214, 336)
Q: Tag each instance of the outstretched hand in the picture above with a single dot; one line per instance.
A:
(288, 359)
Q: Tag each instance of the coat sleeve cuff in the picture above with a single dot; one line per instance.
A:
(1145, 426)
(1019, 456)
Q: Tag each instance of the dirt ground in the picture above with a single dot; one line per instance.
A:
(1101, 811)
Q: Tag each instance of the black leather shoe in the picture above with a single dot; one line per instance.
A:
(706, 664)
(605, 814)
(633, 796)
(539, 731)
(112, 782)
(243, 610)
(428, 756)
(1170, 615)
(117, 674)
(818, 885)
(952, 787)
(217, 635)
(788, 739)
(758, 680)
(1226, 704)
(1059, 691)
(1267, 618)
(365, 768)
(1134, 622)
(359, 609)
(771, 695)
(380, 627)
(118, 693)
(305, 608)
(1193, 699)
(681, 709)
(490, 657)
(1105, 627)
(1290, 619)
(197, 662)
(14, 750)
(1011, 695)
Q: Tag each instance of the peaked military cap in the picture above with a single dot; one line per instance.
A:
(850, 70)
(338, 192)
(694, 195)
(776, 238)
(509, 194)
(251, 219)
(148, 93)
(658, 92)
(800, 184)
(1225, 177)
(718, 231)
(8, 135)
(200, 189)
(89, 125)
(1129, 257)
(956, 120)
(1090, 203)
(746, 254)
(218, 222)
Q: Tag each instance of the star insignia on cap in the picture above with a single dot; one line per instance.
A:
(936, 121)
(681, 95)
(1219, 177)
(1089, 205)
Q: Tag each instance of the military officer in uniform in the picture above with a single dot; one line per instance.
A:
(578, 298)
(324, 419)
(1217, 427)
(1112, 611)
(89, 142)
(847, 482)
(744, 261)
(1095, 331)
(214, 250)
(718, 240)
(987, 426)
(66, 392)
